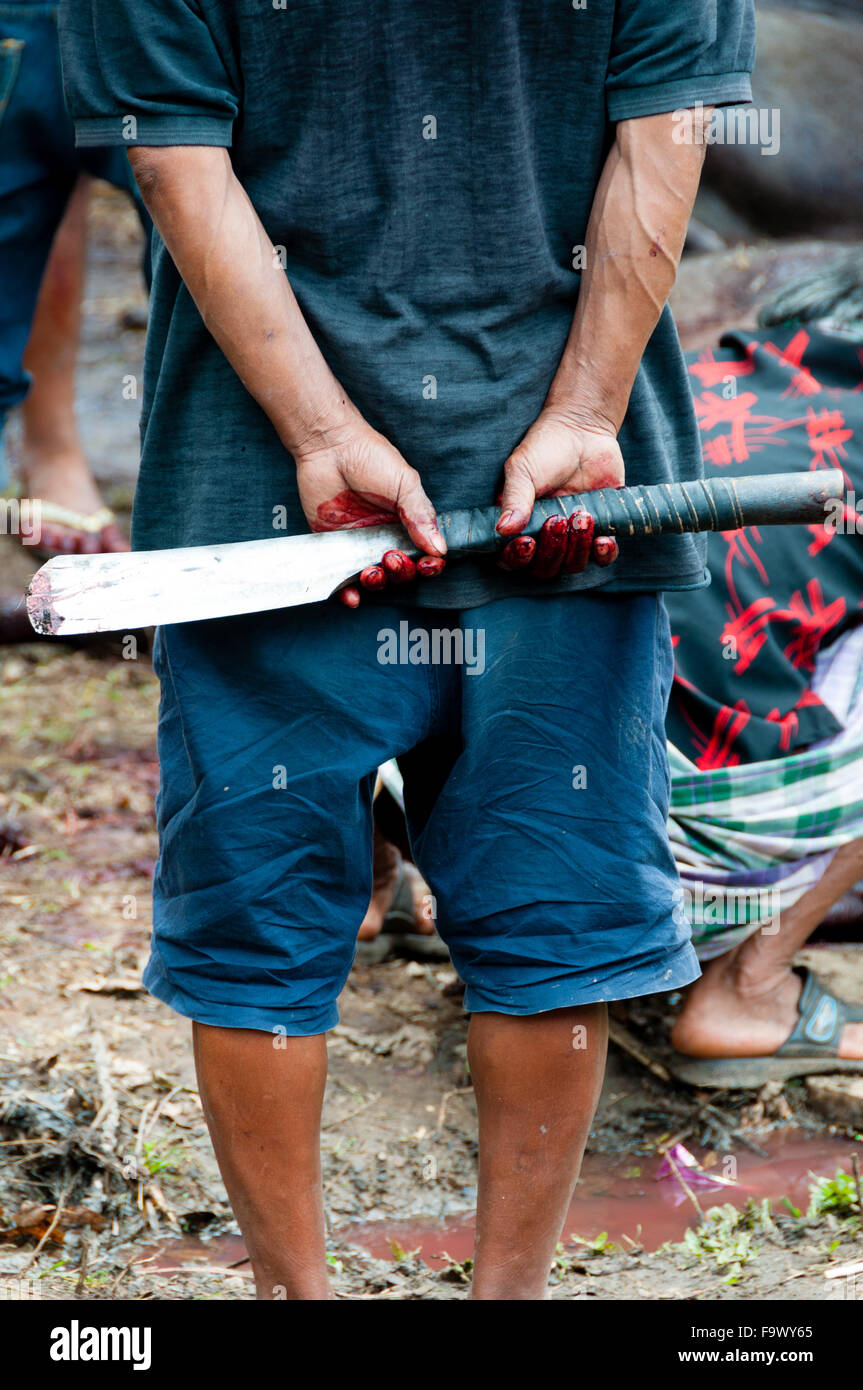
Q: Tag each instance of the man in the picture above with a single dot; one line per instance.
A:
(426, 275)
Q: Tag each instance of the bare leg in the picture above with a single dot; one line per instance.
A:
(53, 465)
(262, 1097)
(537, 1081)
(745, 1004)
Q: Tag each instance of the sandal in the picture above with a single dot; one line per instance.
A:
(810, 1048)
(94, 524)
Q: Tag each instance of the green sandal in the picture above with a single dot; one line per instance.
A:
(810, 1048)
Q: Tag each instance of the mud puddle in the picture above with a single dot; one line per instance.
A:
(624, 1197)
(616, 1196)
(226, 1251)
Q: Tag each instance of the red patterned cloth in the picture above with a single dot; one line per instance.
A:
(774, 401)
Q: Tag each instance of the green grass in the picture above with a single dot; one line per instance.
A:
(837, 1195)
(158, 1158)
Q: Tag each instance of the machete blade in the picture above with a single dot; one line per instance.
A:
(120, 592)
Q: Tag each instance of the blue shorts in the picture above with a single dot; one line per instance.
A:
(531, 736)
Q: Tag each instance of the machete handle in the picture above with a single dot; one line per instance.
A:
(658, 509)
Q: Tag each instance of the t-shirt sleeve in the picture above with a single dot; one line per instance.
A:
(670, 54)
(144, 72)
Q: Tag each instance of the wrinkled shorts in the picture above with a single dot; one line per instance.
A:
(531, 736)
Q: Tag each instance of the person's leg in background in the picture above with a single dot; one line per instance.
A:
(746, 1002)
(52, 462)
(33, 195)
(397, 885)
(43, 203)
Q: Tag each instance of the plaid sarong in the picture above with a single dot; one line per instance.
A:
(750, 840)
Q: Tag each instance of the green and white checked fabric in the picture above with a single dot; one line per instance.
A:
(750, 840)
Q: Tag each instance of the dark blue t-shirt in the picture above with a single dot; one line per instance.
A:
(425, 169)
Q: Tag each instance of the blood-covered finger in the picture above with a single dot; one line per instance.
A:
(605, 550)
(550, 548)
(349, 596)
(430, 566)
(398, 567)
(373, 577)
(417, 514)
(578, 542)
(517, 553)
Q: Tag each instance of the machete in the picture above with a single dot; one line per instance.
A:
(120, 592)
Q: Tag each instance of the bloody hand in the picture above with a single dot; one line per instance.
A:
(351, 476)
(558, 456)
(563, 547)
(395, 568)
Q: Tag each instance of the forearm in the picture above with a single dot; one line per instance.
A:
(634, 242)
(222, 251)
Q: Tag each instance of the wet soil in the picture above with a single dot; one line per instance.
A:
(626, 1200)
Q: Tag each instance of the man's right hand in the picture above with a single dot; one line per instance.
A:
(350, 476)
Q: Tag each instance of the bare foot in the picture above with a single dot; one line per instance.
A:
(61, 475)
(387, 866)
(53, 467)
(736, 1010)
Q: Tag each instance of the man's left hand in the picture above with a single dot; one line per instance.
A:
(558, 456)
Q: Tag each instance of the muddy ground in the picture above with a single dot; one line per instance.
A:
(108, 1187)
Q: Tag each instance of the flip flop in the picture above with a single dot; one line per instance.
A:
(86, 524)
(809, 1049)
(397, 937)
